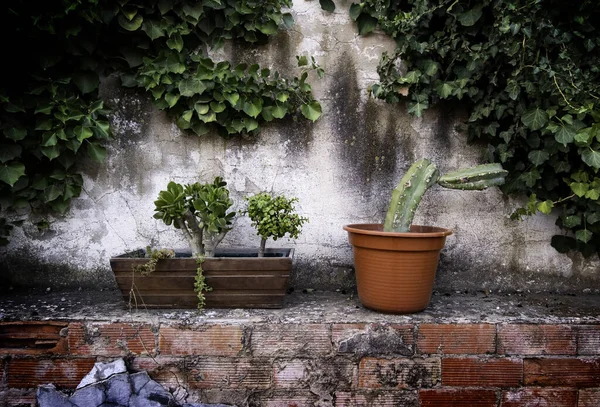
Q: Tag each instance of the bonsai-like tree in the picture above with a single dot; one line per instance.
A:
(273, 217)
(199, 211)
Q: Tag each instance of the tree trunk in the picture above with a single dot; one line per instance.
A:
(261, 249)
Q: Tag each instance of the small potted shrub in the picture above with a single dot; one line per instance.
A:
(396, 262)
(273, 217)
(207, 275)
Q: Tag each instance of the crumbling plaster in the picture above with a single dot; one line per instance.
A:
(342, 168)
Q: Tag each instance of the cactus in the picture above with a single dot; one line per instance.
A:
(421, 176)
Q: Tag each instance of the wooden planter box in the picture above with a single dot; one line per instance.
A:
(239, 279)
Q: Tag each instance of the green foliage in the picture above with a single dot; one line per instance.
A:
(274, 217)
(50, 113)
(528, 71)
(200, 286)
(154, 255)
(421, 176)
(199, 210)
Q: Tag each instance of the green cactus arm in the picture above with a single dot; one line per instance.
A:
(475, 178)
(407, 195)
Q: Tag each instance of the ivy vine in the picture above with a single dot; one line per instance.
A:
(51, 117)
(529, 74)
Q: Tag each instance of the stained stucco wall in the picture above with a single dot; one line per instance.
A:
(342, 168)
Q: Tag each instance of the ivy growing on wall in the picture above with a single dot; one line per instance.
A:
(529, 74)
(56, 52)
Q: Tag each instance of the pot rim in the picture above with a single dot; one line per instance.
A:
(376, 229)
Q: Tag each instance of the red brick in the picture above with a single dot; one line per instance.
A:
(287, 399)
(290, 374)
(399, 373)
(457, 398)
(378, 398)
(287, 340)
(296, 373)
(588, 341)
(482, 372)
(230, 373)
(367, 339)
(32, 338)
(528, 397)
(537, 340)
(457, 338)
(18, 398)
(168, 371)
(214, 340)
(589, 398)
(562, 372)
(116, 339)
(28, 373)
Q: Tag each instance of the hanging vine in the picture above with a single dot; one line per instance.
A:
(50, 113)
(529, 73)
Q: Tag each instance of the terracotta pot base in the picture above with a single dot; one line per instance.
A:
(395, 271)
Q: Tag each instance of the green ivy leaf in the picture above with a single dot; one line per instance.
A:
(535, 119)
(194, 10)
(538, 157)
(83, 133)
(366, 24)
(15, 133)
(545, 207)
(513, 89)
(470, 17)
(327, 5)
(130, 25)
(288, 20)
(201, 108)
(417, 108)
(253, 108)
(579, 188)
(172, 98)
(200, 128)
(583, 235)
(153, 29)
(175, 42)
(190, 87)
(232, 98)
(9, 152)
(51, 152)
(593, 194)
(591, 157)
(53, 192)
(86, 81)
(268, 28)
(312, 111)
(571, 221)
(96, 152)
(355, 10)
(10, 173)
(444, 90)
(565, 134)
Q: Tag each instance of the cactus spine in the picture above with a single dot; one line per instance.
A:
(421, 176)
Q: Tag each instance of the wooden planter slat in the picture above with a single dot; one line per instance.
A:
(238, 282)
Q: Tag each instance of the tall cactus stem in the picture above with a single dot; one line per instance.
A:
(408, 194)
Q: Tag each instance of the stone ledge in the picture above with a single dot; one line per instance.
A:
(321, 349)
(314, 307)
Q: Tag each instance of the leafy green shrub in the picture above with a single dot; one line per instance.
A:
(529, 73)
(199, 211)
(273, 217)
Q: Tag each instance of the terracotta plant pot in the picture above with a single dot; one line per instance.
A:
(395, 271)
(239, 279)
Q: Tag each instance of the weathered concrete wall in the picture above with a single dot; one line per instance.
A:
(342, 168)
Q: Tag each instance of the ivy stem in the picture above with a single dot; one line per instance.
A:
(564, 199)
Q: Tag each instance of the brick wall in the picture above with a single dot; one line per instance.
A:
(284, 365)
